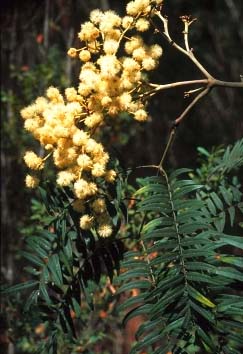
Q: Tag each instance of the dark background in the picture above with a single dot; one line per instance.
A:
(31, 30)
(35, 37)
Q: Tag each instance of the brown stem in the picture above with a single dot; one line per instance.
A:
(192, 104)
(177, 122)
(188, 93)
(209, 82)
(168, 145)
(185, 32)
(158, 88)
(228, 84)
(189, 53)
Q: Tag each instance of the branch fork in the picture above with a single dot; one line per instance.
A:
(209, 82)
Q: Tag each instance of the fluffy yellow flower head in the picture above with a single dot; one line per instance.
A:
(84, 55)
(98, 170)
(54, 94)
(31, 181)
(99, 206)
(80, 138)
(127, 21)
(113, 79)
(110, 176)
(109, 20)
(33, 161)
(32, 125)
(28, 112)
(96, 16)
(104, 230)
(65, 178)
(138, 6)
(72, 52)
(71, 94)
(155, 51)
(80, 188)
(109, 66)
(84, 161)
(141, 115)
(142, 25)
(88, 32)
(110, 46)
(149, 63)
(92, 189)
(93, 120)
(86, 222)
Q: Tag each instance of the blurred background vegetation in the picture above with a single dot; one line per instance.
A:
(35, 38)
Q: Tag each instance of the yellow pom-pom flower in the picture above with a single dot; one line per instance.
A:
(84, 161)
(141, 115)
(71, 94)
(99, 206)
(31, 181)
(72, 52)
(65, 178)
(98, 170)
(104, 230)
(84, 55)
(86, 222)
(80, 188)
(110, 176)
(93, 120)
(92, 189)
(142, 25)
(68, 125)
(80, 138)
(33, 161)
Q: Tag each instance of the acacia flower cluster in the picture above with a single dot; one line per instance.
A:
(114, 60)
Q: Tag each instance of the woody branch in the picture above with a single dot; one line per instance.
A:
(206, 84)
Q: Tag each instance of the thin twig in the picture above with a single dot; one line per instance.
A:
(189, 54)
(168, 145)
(147, 166)
(178, 83)
(185, 32)
(187, 22)
(188, 93)
(191, 105)
(209, 82)
(158, 88)
(177, 122)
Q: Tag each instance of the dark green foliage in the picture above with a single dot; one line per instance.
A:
(66, 263)
(186, 268)
(184, 260)
(222, 192)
